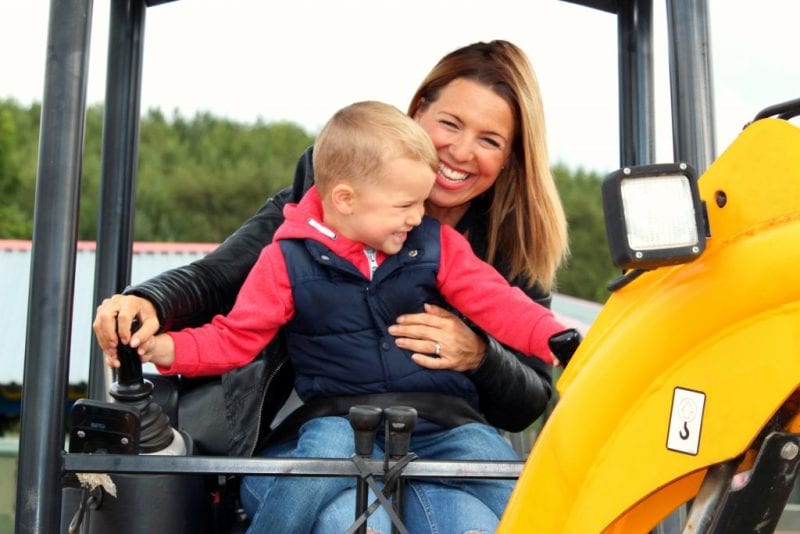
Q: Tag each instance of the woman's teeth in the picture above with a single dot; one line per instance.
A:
(450, 174)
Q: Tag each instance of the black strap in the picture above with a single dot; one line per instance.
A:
(382, 495)
(444, 410)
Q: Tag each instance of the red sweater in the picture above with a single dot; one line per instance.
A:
(265, 303)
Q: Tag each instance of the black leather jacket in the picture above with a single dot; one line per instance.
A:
(514, 389)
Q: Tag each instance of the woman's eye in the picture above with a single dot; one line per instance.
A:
(491, 142)
(449, 124)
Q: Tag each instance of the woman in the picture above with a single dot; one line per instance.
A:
(481, 106)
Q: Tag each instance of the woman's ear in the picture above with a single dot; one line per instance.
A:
(342, 197)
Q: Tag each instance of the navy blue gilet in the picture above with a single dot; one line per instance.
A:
(338, 339)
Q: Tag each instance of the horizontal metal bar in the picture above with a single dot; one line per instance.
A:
(125, 463)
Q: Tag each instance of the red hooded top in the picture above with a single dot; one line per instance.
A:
(265, 303)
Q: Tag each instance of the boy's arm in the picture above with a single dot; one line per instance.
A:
(229, 341)
(192, 294)
(161, 352)
(478, 291)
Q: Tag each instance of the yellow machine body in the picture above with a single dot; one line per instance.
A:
(723, 330)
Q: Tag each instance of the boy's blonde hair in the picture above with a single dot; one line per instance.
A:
(360, 138)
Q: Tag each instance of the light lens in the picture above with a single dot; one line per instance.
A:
(659, 212)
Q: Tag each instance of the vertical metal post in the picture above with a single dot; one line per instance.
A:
(690, 80)
(635, 50)
(52, 273)
(115, 220)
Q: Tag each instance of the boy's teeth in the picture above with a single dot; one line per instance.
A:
(450, 174)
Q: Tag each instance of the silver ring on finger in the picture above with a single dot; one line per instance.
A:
(438, 348)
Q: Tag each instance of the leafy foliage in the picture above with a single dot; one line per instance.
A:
(589, 268)
(199, 178)
(19, 130)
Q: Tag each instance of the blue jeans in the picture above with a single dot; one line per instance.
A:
(327, 504)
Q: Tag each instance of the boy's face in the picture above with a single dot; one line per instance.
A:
(383, 213)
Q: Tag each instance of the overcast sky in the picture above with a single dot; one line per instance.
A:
(300, 60)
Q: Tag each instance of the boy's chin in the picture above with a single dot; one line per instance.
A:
(391, 249)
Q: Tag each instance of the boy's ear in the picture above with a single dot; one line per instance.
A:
(342, 197)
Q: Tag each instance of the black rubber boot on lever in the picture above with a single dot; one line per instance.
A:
(564, 344)
(132, 389)
(364, 420)
(400, 423)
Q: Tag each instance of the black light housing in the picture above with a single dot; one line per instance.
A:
(654, 216)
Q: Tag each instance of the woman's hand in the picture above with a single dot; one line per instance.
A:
(114, 315)
(439, 331)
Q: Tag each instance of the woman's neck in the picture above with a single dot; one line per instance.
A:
(446, 215)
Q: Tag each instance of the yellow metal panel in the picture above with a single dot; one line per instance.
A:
(726, 325)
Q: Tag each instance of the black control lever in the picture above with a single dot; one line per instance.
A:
(130, 384)
(131, 388)
(400, 422)
(365, 420)
(564, 344)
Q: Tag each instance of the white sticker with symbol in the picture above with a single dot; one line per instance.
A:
(686, 420)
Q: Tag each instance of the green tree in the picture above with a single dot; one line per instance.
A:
(18, 145)
(589, 267)
(198, 178)
(90, 174)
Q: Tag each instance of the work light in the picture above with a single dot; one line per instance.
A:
(654, 216)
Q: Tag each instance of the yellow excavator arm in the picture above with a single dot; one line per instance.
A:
(684, 365)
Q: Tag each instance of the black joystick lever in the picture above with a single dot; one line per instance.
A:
(365, 420)
(400, 422)
(564, 344)
(130, 385)
(133, 389)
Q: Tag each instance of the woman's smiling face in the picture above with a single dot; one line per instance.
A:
(472, 129)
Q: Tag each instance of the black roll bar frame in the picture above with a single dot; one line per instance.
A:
(42, 459)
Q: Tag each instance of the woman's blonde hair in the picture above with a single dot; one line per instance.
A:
(360, 138)
(527, 227)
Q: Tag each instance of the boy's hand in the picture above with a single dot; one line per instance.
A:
(159, 350)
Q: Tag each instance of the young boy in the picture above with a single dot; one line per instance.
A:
(352, 256)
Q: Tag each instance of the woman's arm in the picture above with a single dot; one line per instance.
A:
(513, 389)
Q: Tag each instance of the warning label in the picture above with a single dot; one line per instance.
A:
(686, 420)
